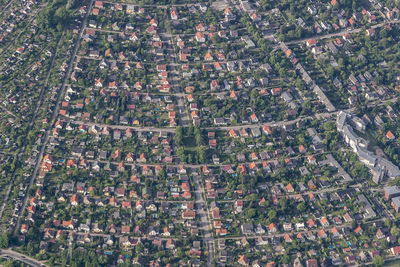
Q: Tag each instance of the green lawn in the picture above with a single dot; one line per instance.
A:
(189, 141)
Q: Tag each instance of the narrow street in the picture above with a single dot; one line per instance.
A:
(182, 110)
(205, 223)
(340, 33)
(226, 128)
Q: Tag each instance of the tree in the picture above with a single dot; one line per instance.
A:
(180, 253)
(329, 126)
(330, 71)
(190, 130)
(139, 247)
(283, 203)
(197, 134)
(181, 153)
(4, 240)
(301, 207)
(61, 15)
(272, 215)
(201, 154)
(178, 135)
(9, 263)
(162, 174)
(251, 213)
(378, 261)
(285, 259)
(52, 261)
(387, 223)
(394, 231)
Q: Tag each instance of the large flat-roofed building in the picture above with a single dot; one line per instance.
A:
(391, 192)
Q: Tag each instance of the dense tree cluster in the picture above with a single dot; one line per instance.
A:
(56, 14)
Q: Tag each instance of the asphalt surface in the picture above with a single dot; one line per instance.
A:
(205, 222)
(8, 253)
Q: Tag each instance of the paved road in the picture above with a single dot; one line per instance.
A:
(155, 5)
(116, 236)
(54, 115)
(173, 64)
(8, 253)
(276, 124)
(122, 127)
(182, 110)
(197, 166)
(383, 102)
(224, 128)
(175, 94)
(340, 33)
(294, 233)
(205, 221)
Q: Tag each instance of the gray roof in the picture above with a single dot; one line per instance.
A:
(391, 190)
(369, 212)
(323, 98)
(392, 170)
(349, 133)
(366, 155)
(341, 120)
(396, 201)
(287, 97)
(311, 131)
